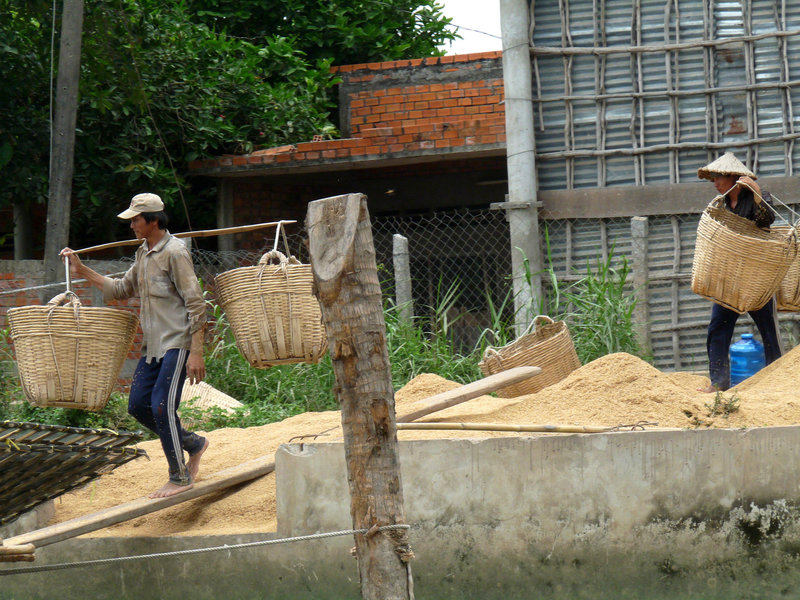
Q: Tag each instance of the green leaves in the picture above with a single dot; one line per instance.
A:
(163, 83)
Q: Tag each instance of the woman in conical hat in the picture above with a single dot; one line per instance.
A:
(742, 196)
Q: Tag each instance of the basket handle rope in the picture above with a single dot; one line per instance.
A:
(274, 258)
(718, 200)
(490, 351)
(69, 299)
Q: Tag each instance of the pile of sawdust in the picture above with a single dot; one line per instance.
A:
(613, 390)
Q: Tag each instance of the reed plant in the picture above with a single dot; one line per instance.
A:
(596, 304)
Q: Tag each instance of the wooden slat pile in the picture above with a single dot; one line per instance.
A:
(40, 462)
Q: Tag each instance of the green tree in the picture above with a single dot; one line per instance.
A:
(163, 83)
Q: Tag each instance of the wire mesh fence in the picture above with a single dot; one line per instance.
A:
(460, 264)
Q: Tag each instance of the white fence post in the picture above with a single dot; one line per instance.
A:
(639, 271)
(402, 277)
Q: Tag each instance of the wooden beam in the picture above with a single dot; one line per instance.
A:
(189, 234)
(647, 200)
(471, 390)
(142, 506)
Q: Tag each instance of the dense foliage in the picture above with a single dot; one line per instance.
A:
(165, 82)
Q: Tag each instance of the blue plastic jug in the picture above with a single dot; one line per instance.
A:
(747, 358)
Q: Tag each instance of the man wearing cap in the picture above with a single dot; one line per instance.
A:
(742, 196)
(173, 318)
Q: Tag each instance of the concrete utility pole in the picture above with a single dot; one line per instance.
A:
(346, 283)
(522, 206)
(62, 158)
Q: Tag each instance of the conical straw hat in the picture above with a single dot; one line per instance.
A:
(727, 164)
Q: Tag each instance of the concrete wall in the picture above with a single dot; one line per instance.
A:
(663, 511)
(643, 515)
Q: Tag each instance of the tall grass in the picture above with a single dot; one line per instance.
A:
(600, 312)
(597, 306)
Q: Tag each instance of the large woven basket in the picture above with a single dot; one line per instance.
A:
(788, 295)
(70, 356)
(275, 317)
(548, 346)
(736, 264)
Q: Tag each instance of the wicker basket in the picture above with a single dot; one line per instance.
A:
(736, 264)
(70, 356)
(788, 296)
(548, 346)
(272, 311)
(204, 396)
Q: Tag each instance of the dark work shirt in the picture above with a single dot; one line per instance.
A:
(746, 207)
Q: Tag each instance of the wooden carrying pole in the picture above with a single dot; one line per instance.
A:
(346, 283)
(469, 391)
(190, 234)
(504, 427)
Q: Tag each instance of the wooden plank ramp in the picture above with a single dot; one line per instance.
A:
(142, 506)
(469, 391)
(247, 471)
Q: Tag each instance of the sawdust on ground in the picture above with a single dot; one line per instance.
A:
(617, 389)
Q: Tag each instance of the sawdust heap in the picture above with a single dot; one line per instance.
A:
(613, 390)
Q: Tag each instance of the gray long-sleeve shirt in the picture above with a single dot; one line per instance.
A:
(171, 301)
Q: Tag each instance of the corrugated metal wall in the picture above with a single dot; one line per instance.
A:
(638, 92)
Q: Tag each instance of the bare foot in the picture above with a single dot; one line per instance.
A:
(708, 390)
(170, 489)
(193, 464)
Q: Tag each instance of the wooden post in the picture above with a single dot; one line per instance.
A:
(402, 277)
(63, 144)
(346, 283)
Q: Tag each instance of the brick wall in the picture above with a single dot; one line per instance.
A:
(402, 124)
(396, 109)
(460, 97)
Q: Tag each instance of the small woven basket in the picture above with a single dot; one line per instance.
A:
(736, 264)
(70, 356)
(548, 346)
(275, 317)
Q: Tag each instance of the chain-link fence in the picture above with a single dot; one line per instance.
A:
(463, 253)
(461, 261)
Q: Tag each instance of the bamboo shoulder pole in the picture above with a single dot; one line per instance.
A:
(190, 234)
(346, 283)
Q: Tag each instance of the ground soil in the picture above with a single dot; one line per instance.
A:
(618, 389)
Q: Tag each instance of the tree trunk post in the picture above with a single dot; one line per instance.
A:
(346, 284)
(63, 145)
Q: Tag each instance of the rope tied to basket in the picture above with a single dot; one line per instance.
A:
(275, 258)
(70, 299)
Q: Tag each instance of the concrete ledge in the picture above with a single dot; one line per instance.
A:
(643, 515)
(557, 485)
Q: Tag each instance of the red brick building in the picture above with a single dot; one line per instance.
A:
(416, 136)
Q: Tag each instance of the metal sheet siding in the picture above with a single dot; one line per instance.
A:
(681, 104)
